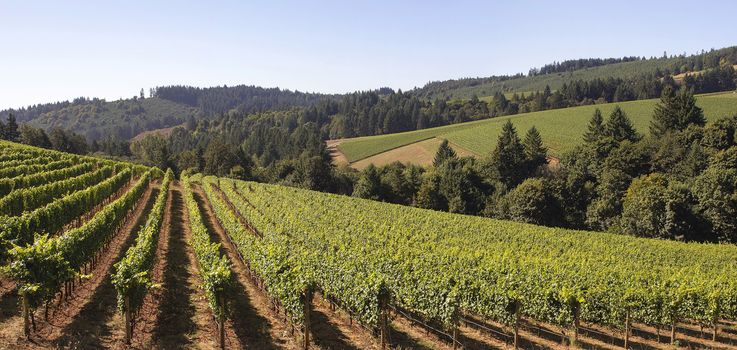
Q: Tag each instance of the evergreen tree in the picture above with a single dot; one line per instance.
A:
(596, 128)
(508, 159)
(619, 127)
(675, 112)
(10, 131)
(444, 153)
(535, 152)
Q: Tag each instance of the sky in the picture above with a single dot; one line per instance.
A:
(58, 50)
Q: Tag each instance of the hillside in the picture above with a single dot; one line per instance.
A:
(466, 88)
(122, 119)
(561, 129)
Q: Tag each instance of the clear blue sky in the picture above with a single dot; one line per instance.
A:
(57, 50)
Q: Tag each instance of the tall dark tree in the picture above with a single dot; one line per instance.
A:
(535, 152)
(619, 126)
(445, 152)
(596, 128)
(11, 132)
(675, 112)
(508, 159)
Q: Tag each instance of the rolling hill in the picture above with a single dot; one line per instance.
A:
(561, 130)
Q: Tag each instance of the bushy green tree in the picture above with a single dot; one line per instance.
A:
(675, 112)
(716, 191)
(644, 207)
(533, 201)
(369, 184)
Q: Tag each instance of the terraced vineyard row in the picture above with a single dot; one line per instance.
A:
(440, 266)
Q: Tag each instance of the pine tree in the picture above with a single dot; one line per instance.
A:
(596, 128)
(675, 112)
(508, 159)
(533, 145)
(619, 126)
(11, 132)
(445, 152)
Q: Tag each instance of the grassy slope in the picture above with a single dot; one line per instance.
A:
(131, 116)
(561, 129)
(556, 80)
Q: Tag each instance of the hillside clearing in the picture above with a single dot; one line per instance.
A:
(561, 129)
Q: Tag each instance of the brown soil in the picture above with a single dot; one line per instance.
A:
(76, 322)
(419, 153)
(257, 325)
(338, 157)
(183, 319)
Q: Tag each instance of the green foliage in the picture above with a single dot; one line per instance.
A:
(619, 127)
(445, 152)
(561, 129)
(131, 277)
(533, 201)
(675, 112)
(508, 159)
(596, 128)
(438, 264)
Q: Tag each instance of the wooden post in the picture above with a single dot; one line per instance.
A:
(383, 324)
(673, 332)
(626, 329)
(307, 295)
(714, 332)
(128, 321)
(576, 324)
(516, 329)
(455, 334)
(26, 318)
(221, 322)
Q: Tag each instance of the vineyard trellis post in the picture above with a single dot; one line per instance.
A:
(221, 321)
(626, 329)
(517, 318)
(383, 324)
(26, 317)
(307, 302)
(128, 321)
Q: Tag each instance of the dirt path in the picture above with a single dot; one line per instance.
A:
(338, 157)
(257, 325)
(146, 319)
(74, 322)
(183, 317)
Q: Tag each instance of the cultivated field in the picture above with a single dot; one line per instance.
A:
(561, 129)
(104, 254)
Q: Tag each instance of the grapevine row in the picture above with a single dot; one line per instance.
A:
(43, 267)
(438, 265)
(214, 268)
(51, 218)
(28, 199)
(28, 169)
(10, 184)
(131, 278)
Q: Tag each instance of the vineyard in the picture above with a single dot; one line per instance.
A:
(96, 253)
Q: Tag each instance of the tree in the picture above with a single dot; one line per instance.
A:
(533, 202)
(11, 132)
(596, 128)
(508, 159)
(219, 158)
(644, 207)
(444, 153)
(675, 112)
(428, 196)
(716, 191)
(153, 150)
(619, 126)
(369, 184)
(34, 137)
(535, 152)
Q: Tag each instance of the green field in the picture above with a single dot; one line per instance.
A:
(554, 81)
(561, 129)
